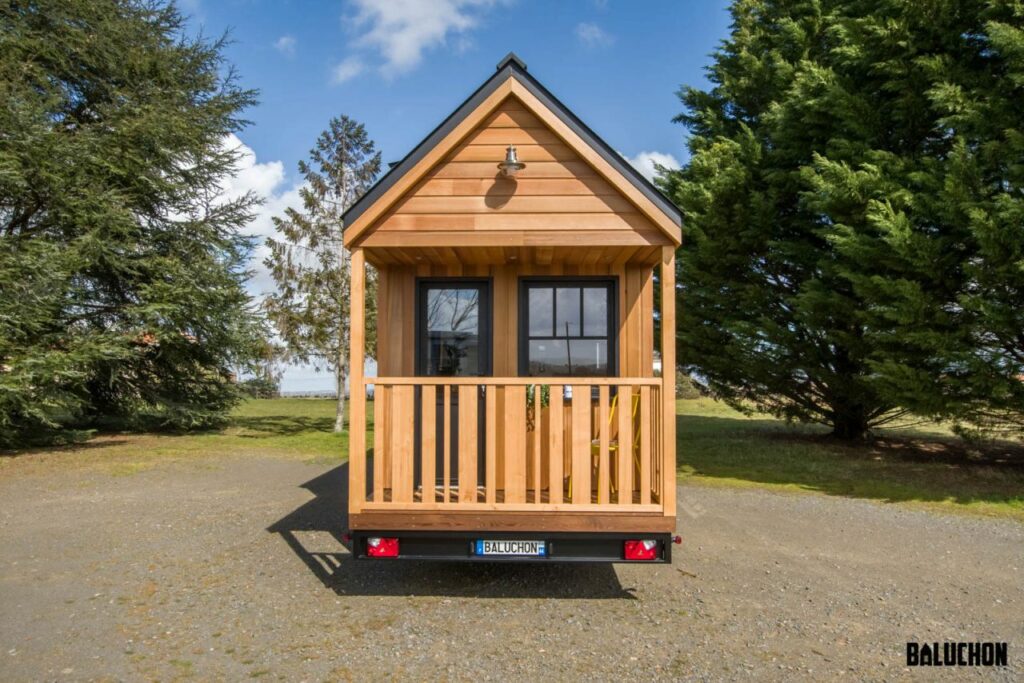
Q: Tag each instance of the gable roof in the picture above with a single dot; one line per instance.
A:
(511, 77)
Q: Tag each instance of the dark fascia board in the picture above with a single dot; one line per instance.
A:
(513, 67)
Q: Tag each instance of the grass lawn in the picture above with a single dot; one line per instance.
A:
(282, 427)
(917, 466)
(717, 447)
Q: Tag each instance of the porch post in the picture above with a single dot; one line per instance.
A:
(357, 388)
(668, 375)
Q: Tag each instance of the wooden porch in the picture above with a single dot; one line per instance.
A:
(506, 453)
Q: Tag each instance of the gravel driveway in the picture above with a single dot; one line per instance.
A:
(234, 569)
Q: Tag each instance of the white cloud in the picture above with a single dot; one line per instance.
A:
(347, 69)
(250, 175)
(285, 45)
(646, 163)
(401, 30)
(267, 180)
(592, 35)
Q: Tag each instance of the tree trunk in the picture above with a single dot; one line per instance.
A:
(849, 425)
(339, 418)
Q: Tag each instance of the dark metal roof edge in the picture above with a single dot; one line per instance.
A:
(511, 58)
(508, 68)
(419, 151)
(607, 152)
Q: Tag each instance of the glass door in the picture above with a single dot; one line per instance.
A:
(453, 339)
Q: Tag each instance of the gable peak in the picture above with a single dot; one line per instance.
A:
(511, 58)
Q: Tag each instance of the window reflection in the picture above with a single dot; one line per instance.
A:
(567, 312)
(568, 358)
(568, 328)
(453, 331)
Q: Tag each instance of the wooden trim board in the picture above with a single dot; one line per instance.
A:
(512, 521)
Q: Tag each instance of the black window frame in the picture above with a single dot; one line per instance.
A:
(486, 350)
(581, 281)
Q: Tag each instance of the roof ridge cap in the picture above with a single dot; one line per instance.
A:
(511, 58)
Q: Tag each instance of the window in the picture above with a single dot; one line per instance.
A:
(567, 328)
(453, 329)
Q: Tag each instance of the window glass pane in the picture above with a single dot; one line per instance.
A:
(453, 331)
(548, 357)
(567, 312)
(595, 312)
(541, 303)
(589, 357)
(568, 358)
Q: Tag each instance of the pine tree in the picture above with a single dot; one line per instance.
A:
(122, 278)
(945, 251)
(769, 320)
(312, 269)
(853, 211)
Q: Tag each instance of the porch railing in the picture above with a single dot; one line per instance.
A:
(516, 444)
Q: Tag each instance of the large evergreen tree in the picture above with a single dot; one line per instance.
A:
(768, 317)
(122, 275)
(312, 269)
(846, 225)
(941, 253)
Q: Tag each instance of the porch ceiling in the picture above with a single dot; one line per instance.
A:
(543, 256)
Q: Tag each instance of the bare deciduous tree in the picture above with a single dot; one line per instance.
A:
(310, 266)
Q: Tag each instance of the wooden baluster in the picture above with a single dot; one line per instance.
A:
(625, 450)
(656, 444)
(602, 457)
(491, 453)
(380, 398)
(537, 412)
(515, 444)
(645, 445)
(447, 464)
(402, 433)
(387, 445)
(428, 442)
(468, 444)
(659, 456)
(580, 444)
(556, 450)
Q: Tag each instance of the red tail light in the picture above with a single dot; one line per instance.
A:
(382, 547)
(646, 549)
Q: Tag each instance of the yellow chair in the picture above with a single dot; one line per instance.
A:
(613, 444)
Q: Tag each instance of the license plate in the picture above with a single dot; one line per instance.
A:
(511, 548)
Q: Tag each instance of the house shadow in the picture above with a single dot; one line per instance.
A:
(315, 532)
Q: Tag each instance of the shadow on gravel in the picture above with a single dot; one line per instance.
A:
(325, 519)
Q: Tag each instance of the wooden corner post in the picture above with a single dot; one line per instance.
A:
(357, 386)
(668, 375)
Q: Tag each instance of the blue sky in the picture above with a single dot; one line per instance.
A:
(401, 66)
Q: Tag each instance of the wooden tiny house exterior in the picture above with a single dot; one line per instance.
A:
(516, 395)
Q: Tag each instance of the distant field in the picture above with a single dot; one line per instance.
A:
(717, 447)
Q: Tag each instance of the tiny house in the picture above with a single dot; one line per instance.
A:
(517, 413)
